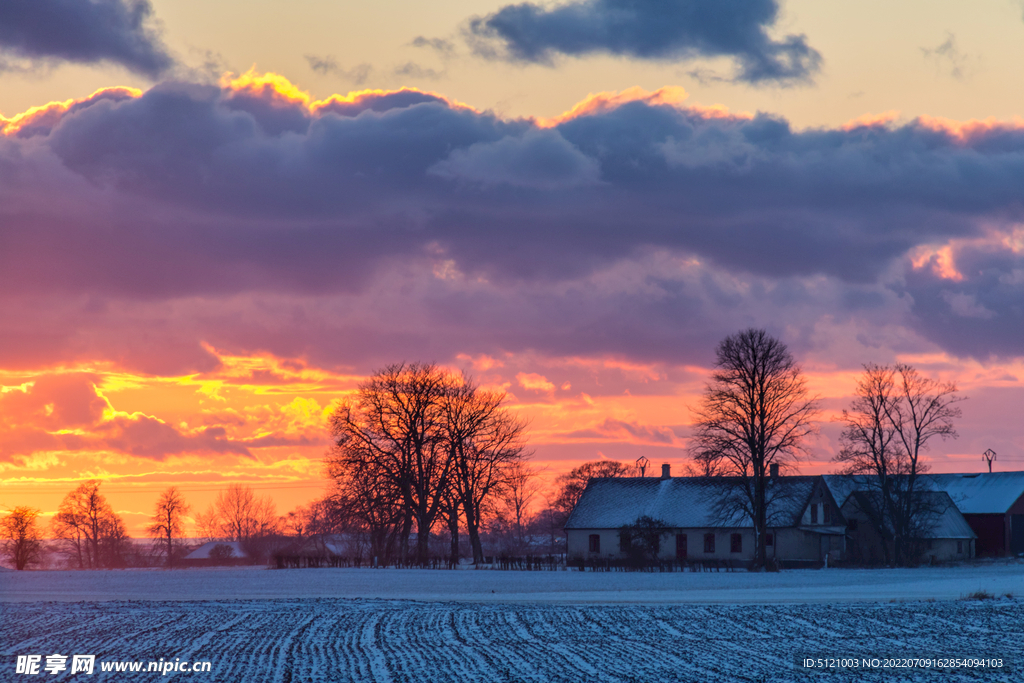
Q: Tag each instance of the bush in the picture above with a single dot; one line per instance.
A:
(980, 595)
(221, 552)
(640, 541)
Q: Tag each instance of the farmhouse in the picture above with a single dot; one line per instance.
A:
(215, 553)
(705, 518)
(811, 519)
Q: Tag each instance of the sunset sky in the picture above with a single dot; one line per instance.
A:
(217, 217)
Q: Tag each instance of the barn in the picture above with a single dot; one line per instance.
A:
(993, 505)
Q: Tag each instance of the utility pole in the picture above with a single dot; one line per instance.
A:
(989, 455)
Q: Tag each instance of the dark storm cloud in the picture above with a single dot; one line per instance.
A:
(83, 31)
(673, 30)
(218, 194)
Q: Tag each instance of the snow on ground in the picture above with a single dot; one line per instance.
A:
(795, 586)
(440, 642)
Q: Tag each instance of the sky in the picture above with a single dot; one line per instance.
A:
(217, 218)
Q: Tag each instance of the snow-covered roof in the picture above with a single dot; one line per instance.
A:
(950, 523)
(979, 493)
(982, 493)
(842, 485)
(330, 544)
(203, 551)
(683, 502)
(947, 521)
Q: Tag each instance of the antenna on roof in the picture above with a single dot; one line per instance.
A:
(989, 455)
(641, 464)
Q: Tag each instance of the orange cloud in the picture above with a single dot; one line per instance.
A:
(882, 120)
(625, 431)
(531, 381)
(275, 88)
(48, 115)
(940, 260)
(965, 132)
(671, 95)
(596, 103)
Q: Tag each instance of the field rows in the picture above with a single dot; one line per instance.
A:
(398, 641)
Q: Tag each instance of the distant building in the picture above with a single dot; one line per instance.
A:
(217, 553)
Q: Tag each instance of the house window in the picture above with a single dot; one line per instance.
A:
(736, 543)
(595, 543)
(814, 513)
(680, 546)
(709, 543)
(959, 547)
(826, 510)
(769, 540)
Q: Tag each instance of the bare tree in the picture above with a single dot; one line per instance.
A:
(20, 534)
(89, 528)
(755, 412)
(243, 515)
(208, 524)
(169, 520)
(365, 499)
(314, 522)
(894, 414)
(704, 465)
(397, 422)
(520, 488)
(114, 542)
(571, 484)
(484, 442)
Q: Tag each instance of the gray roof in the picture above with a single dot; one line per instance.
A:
(683, 502)
(947, 523)
(842, 485)
(950, 523)
(980, 493)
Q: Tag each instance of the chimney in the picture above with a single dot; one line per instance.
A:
(773, 470)
(666, 471)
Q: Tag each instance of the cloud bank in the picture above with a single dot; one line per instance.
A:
(401, 224)
(676, 30)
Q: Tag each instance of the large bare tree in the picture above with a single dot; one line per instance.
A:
(485, 442)
(397, 423)
(365, 499)
(90, 529)
(169, 520)
(755, 412)
(20, 534)
(895, 412)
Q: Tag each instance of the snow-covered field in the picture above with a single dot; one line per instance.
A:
(436, 642)
(493, 626)
(830, 586)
